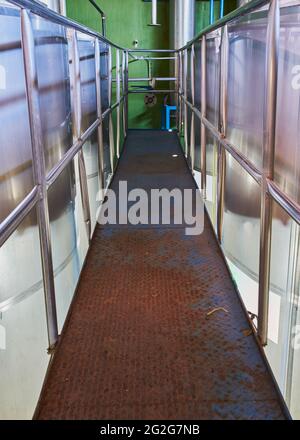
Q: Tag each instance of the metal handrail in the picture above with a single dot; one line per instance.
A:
(269, 189)
(103, 16)
(47, 13)
(242, 10)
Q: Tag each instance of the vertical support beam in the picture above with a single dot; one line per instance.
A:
(123, 93)
(39, 174)
(118, 93)
(99, 116)
(180, 89)
(192, 139)
(185, 66)
(268, 168)
(126, 91)
(77, 118)
(177, 88)
(222, 129)
(203, 113)
(111, 127)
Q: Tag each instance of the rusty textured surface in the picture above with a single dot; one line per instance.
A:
(139, 344)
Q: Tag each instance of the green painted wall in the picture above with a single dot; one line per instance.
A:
(202, 12)
(127, 20)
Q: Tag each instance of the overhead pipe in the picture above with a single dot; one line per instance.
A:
(211, 11)
(221, 8)
(103, 16)
(154, 14)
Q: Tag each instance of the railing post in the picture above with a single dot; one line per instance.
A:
(203, 113)
(223, 130)
(118, 94)
(123, 93)
(180, 72)
(268, 168)
(126, 92)
(39, 174)
(99, 116)
(185, 65)
(77, 117)
(177, 88)
(111, 127)
(192, 139)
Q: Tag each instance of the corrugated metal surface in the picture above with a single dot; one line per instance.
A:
(139, 343)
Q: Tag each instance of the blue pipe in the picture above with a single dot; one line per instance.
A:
(221, 8)
(211, 11)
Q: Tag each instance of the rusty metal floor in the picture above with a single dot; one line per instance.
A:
(138, 343)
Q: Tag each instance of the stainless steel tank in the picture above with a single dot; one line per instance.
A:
(182, 22)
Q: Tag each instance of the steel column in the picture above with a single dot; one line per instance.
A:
(177, 87)
(39, 174)
(111, 127)
(126, 92)
(118, 93)
(185, 65)
(223, 130)
(180, 88)
(203, 113)
(123, 91)
(268, 168)
(192, 138)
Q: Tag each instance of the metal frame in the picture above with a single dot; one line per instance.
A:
(39, 174)
(269, 189)
(38, 196)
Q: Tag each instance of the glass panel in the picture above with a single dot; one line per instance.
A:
(23, 329)
(241, 230)
(54, 88)
(90, 151)
(106, 159)
(213, 76)
(16, 176)
(284, 320)
(287, 153)
(246, 84)
(197, 103)
(211, 176)
(88, 82)
(68, 236)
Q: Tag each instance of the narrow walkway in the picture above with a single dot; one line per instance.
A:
(139, 343)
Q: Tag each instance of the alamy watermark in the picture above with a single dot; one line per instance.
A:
(154, 207)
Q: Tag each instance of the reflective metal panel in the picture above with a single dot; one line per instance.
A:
(242, 252)
(246, 84)
(287, 153)
(284, 323)
(16, 176)
(211, 176)
(105, 105)
(54, 88)
(213, 42)
(88, 82)
(23, 327)
(68, 235)
(90, 151)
